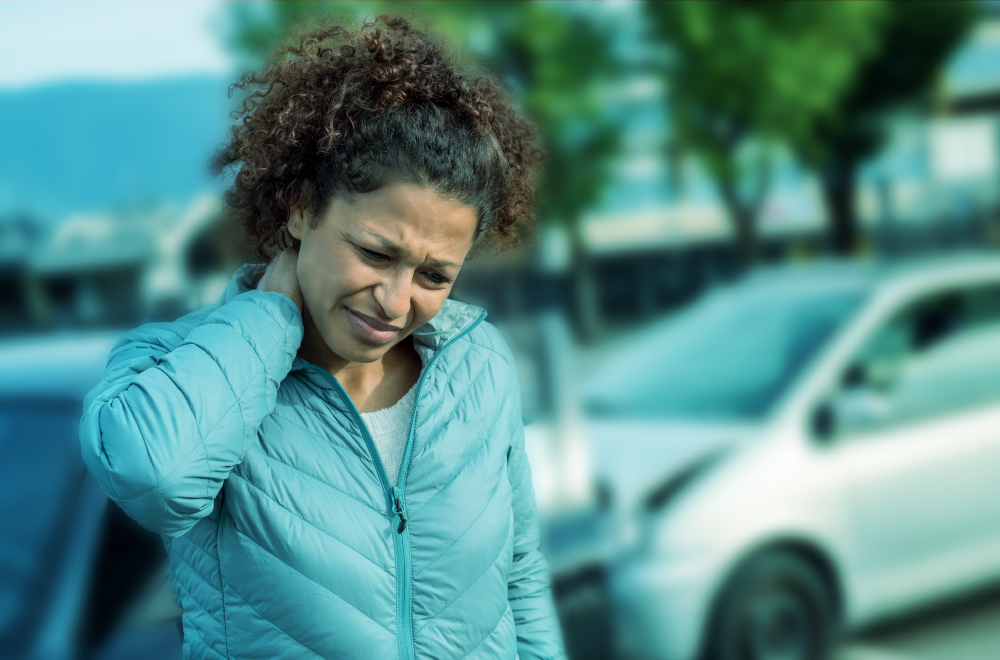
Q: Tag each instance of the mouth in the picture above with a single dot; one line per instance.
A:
(371, 330)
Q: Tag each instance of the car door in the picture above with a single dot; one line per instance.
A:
(73, 566)
(40, 474)
(918, 413)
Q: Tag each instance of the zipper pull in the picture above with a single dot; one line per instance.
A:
(399, 512)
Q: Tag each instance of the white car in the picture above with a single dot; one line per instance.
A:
(811, 450)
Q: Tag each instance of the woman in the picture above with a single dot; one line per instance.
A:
(334, 453)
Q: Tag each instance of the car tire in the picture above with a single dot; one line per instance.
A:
(776, 606)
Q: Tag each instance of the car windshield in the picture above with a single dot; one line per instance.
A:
(729, 358)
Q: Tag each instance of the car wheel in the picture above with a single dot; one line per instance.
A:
(776, 606)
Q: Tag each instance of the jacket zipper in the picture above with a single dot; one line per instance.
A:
(394, 494)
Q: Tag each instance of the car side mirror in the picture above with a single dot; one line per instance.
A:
(851, 410)
(823, 423)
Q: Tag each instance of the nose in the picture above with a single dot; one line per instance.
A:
(393, 293)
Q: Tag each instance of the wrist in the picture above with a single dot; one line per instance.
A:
(293, 296)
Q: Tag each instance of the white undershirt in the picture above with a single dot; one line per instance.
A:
(390, 428)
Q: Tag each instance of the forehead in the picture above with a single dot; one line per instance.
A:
(410, 216)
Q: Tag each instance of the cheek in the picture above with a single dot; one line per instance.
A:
(316, 280)
(427, 305)
(337, 279)
(321, 266)
(353, 276)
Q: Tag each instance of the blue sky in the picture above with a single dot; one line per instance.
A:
(46, 42)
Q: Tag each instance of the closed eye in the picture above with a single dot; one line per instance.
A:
(438, 278)
(374, 256)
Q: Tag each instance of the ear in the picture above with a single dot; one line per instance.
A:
(296, 221)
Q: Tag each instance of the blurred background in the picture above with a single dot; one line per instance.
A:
(757, 328)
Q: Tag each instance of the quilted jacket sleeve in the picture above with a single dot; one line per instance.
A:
(528, 588)
(179, 406)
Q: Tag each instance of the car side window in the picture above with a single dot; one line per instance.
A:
(938, 355)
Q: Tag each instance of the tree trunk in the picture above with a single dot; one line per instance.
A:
(839, 187)
(744, 226)
(586, 296)
(746, 235)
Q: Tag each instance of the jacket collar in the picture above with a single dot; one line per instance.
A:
(452, 319)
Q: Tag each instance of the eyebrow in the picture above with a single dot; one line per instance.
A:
(389, 246)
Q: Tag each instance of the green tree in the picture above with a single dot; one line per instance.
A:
(557, 59)
(744, 78)
(915, 39)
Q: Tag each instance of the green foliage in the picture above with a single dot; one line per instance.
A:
(815, 77)
(554, 58)
(765, 71)
(560, 64)
(914, 41)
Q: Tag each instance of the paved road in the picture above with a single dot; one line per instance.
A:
(970, 631)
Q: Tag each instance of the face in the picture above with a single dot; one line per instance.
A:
(379, 265)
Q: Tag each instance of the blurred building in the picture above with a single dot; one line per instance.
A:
(19, 235)
(115, 269)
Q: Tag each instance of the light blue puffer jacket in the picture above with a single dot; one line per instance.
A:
(285, 539)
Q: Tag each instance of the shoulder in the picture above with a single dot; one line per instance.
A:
(489, 342)
(163, 336)
(487, 337)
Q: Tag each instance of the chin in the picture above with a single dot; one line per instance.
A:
(371, 356)
(357, 351)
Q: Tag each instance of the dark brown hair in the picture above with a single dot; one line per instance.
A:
(345, 112)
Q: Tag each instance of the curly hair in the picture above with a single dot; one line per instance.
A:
(345, 112)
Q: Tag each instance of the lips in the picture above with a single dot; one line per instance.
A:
(370, 329)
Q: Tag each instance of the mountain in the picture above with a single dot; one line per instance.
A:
(86, 147)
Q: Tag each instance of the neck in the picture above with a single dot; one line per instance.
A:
(359, 379)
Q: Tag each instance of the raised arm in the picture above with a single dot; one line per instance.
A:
(180, 404)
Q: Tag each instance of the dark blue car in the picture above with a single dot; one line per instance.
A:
(78, 578)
